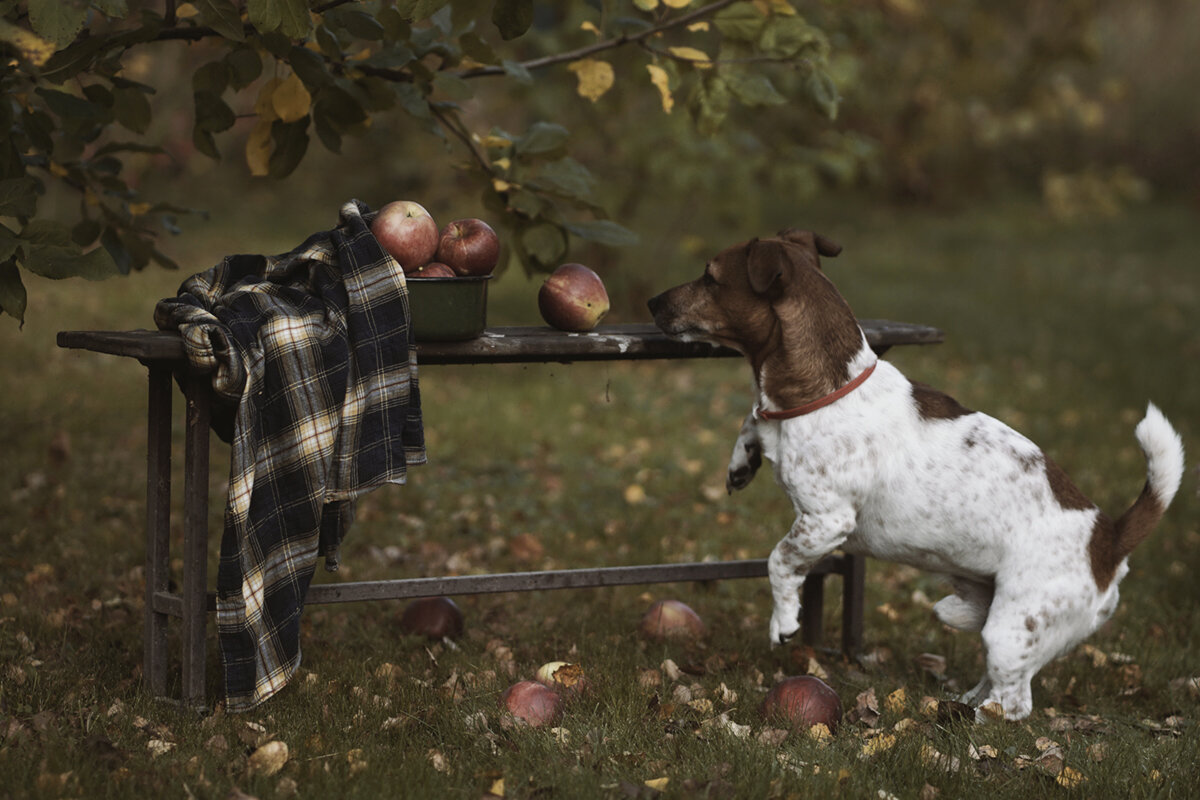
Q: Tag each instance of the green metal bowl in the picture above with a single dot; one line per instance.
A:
(448, 309)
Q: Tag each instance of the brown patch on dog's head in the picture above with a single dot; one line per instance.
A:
(769, 299)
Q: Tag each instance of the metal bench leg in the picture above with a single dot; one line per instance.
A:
(812, 610)
(158, 528)
(854, 580)
(195, 538)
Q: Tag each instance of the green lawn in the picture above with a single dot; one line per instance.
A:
(1064, 332)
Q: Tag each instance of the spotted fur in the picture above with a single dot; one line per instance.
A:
(900, 471)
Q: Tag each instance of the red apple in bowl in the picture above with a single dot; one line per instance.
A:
(803, 701)
(407, 232)
(469, 247)
(573, 298)
(671, 619)
(434, 269)
(533, 702)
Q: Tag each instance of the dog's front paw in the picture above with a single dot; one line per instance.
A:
(784, 624)
(743, 466)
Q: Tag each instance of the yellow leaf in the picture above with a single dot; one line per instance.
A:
(501, 186)
(503, 163)
(588, 25)
(138, 209)
(896, 701)
(263, 105)
(258, 148)
(595, 77)
(635, 494)
(781, 7)
(879, 744)
(497, 787)
(646, 5)
(658, 784)
(32, 47)
(291, 100)
(659, 77)
(696, 27)
(1070, 778)
(492, 140)
(186, 11)
(677, 3)
(699, 58)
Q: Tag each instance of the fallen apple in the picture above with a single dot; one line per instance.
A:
(434, 269)
(435, 618)
(563, 677)
(803, 701)
(469, 247)
(407, 232)
(573, 298)
(533, 702)
(671, 619)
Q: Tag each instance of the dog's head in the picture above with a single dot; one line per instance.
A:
(749, 290)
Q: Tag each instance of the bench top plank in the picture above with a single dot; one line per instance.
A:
(507, 344)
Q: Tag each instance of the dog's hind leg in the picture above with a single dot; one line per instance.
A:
(811, 538)
(967, 608)
(747, 456)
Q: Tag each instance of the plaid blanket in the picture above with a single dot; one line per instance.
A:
(313, 365)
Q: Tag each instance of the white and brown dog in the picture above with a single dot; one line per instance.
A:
(879, 465)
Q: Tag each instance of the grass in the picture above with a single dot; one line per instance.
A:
(1063, 332)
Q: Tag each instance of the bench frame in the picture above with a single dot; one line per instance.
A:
(163, 355)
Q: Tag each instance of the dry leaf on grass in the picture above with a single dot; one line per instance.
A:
(268, 759)
(866, 709)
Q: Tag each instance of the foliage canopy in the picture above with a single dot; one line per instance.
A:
(303, 70)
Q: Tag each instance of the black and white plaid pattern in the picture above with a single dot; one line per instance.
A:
(311, 353)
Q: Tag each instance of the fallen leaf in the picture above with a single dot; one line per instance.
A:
(268, 759)
(937, 760)
(437, 760)
(896, 701)
(158, 747)
(934, 664)
(877, 745)
(1070, 778)
(992, 712)
(866, 708)
(657, 784)
(772, 737)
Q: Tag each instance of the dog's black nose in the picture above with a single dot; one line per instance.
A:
(654, 303)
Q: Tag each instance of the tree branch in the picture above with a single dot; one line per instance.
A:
(608, 44)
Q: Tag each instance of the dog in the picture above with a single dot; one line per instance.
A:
(879, 465)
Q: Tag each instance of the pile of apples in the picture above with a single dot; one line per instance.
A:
(573, 298)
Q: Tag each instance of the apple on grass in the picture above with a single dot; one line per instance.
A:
(671, 619)
(803, 701)
(533, 702)
(469, 247)
(407, 232)
(573, 298)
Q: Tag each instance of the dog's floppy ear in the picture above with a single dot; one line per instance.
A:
(765, 263)
(823, 246)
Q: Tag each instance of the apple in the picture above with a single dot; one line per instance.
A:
(469, 247)
(671, 619)
(434, 269)
(573, 298)
(563, 677)
(407, 232)
(533, 702)
(432, 617)
(803, 701)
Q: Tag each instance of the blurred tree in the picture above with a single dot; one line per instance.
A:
(72, 114)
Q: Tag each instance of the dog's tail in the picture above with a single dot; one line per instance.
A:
(1164, 470)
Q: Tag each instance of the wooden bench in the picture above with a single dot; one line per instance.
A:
(162, 353)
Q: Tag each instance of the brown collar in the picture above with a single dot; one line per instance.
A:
(820, 402)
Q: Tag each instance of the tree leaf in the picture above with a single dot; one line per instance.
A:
(13, 298)
(132, 109)
(245, 67)
(291, 143)
(30, 46)
(753, 88)
(742, 21)
(517, 71)
(9, 243)
(595, 77)
(512, 17)
(258, 149)
(310, 66)
(566, 177)
(603, 231)
(545, 243)
(289, 17)
(660, 78)
(291, 100)
(223, 17)
(18, 198)
(58, 20)
(50, 252)
(541, 138)
(453, 86)
(212, 113)
(824, 93)
(357, 23)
